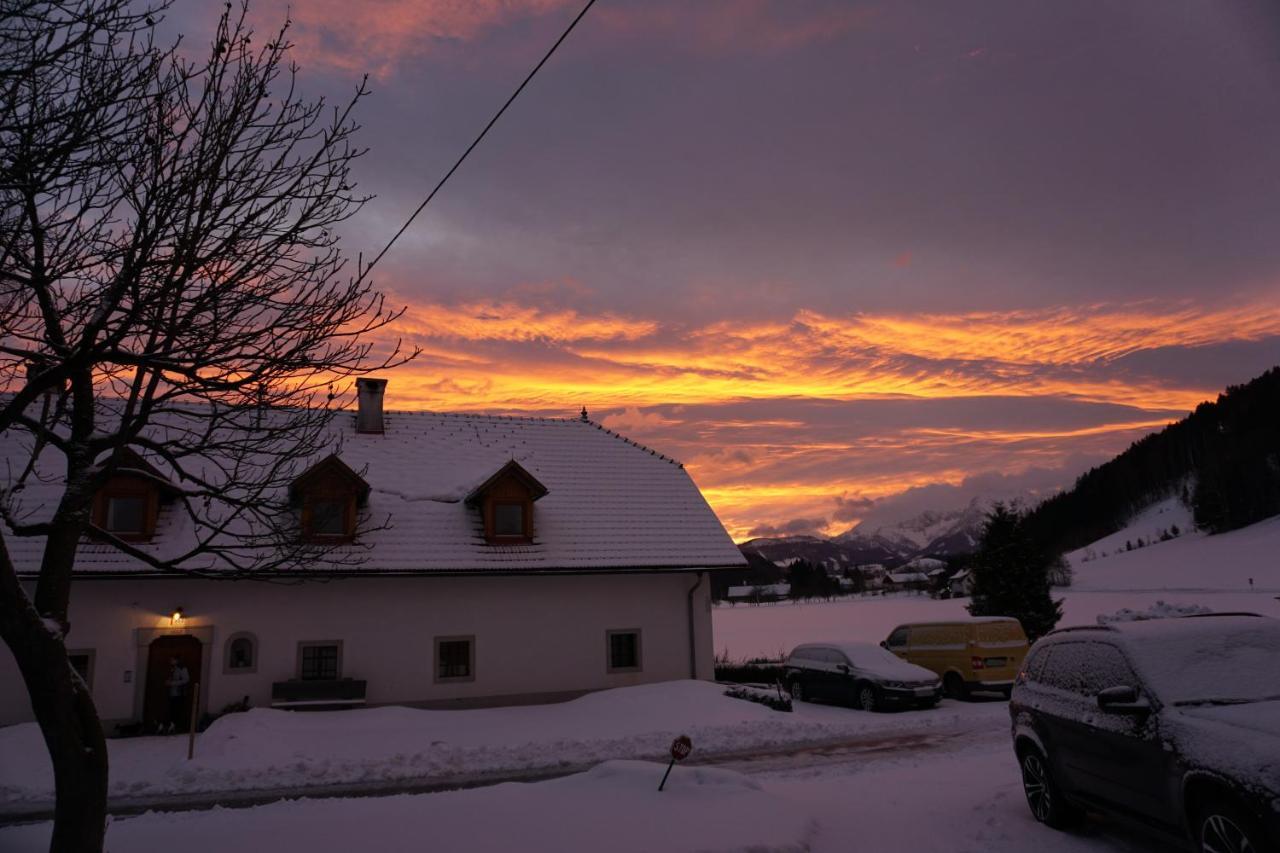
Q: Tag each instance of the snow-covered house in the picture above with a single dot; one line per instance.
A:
(515, 560)
(902, 580)
(961, 583)
(873, 575)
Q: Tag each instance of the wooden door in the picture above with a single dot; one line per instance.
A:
(188, 650)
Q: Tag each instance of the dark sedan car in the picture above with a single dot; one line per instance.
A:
(1170, 724)
(861, 674)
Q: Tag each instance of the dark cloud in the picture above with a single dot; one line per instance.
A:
(794, 527)
(851, 508)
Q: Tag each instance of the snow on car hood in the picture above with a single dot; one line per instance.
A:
(1258, 716)
(877, 661)
(1241, 741)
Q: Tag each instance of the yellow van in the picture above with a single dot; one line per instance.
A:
(982, 653)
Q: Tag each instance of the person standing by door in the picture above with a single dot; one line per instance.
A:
(177, 683)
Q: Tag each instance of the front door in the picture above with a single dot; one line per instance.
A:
(159, 707)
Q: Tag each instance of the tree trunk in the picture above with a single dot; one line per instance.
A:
(66, 714)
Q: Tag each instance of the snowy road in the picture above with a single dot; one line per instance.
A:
(951, 790)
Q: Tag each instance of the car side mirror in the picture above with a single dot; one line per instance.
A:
(1123, 699)
(884, 644)
(843, 667)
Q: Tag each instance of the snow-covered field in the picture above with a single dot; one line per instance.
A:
(1193, 569)
(265, 749)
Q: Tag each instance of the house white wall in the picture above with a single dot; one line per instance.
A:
(537, 638)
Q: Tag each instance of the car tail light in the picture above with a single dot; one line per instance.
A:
(977, 662)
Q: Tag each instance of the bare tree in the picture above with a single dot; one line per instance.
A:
(171, 290)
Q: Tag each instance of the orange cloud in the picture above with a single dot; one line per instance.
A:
(378, 34)
(509, 355)
(347, 36)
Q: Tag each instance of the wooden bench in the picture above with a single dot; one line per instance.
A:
(318, 695)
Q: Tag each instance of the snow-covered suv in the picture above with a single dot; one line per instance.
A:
(1173, 724)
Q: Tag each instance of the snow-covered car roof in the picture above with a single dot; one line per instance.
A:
(611, 503)
(1225, 657)
(875, 660)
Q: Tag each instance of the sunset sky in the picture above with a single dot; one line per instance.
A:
(843, 259)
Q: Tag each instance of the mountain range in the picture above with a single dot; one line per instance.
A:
(933, 533)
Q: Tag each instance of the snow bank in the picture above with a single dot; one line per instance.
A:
(615, 806)
(270, 749)
(1159, 610)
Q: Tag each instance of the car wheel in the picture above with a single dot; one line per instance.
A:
(953, 686)
(867, 698)
(1223, 828)
(1043, 797)
(797, 691)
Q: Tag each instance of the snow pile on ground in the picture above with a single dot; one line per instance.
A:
(615, 806)
(1159, 610)
(266, 749)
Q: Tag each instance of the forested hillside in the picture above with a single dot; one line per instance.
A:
(1224, 459)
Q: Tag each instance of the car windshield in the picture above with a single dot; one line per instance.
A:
(1188, 663)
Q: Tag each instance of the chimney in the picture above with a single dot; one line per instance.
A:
(369, 402)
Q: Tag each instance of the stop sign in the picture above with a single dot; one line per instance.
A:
(680, 748)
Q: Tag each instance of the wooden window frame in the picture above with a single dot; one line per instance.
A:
(128, 487)
(491, 521)
(227, 668)
(608, 650)
(437, 678)
(307, 644)
(348, 498)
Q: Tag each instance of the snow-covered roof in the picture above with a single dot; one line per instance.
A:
(610, 503)
(908, 577)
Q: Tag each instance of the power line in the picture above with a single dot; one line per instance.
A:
(476, 142)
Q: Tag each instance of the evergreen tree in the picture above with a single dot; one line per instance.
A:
(1011, 575)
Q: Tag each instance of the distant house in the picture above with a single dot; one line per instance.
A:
(961, 583)
(898, 581)
(759, 592)
(873, 575)
(513, 560)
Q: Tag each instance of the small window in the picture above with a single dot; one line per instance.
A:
(328, 517)
(242, 654)
(82, 663)
(320, 662)
(624, 651)
(508, 519)
(898, 638)
(455, 658)
(127, 514)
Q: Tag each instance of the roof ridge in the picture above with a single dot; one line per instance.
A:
(632, 442)
(472, 415)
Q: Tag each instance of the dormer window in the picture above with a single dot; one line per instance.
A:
(329, 495)
(126, 514)
(505, 502)
(128, 504)
(508, 519)
(328, 517)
